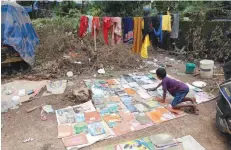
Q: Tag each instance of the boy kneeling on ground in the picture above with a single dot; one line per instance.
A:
(177, 89)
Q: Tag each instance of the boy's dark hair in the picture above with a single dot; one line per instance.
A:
(161, 73)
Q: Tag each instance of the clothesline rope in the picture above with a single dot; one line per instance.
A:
(205, 10)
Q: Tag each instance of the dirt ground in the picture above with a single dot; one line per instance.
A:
(20, 125)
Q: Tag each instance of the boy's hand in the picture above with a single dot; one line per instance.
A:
(153, 89)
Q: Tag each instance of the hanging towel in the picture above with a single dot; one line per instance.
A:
(83, 26)
(157, 24)
(166, 23)
(106, 28)
(147, 27)
(137, 35)
(175, 26)
(89, 29)
(96, 23)
(145, 45)
(128, 29)
(116, 30)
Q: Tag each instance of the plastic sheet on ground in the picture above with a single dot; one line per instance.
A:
(9, 101)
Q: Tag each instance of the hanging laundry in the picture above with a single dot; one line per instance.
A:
(145, 45)
(96, 23)
(89, 29)
(157, 24)
(175, 26)
(116, 30)
(137, 44)
(106, 28)
(166, 23)
(83, 26)
(128, 29)
(147, 27)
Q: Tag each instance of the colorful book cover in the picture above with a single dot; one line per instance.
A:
(75, 140)
(129, 91)
(79, 117)
(113, 108)
(141, 107)
(138, 144)
(126, 115)
(80, 128)
(131, 107)
(142, 118)
(126, 99)
(93, 116)
(104, 111)
(112, 119)
(64, 130)
(96, 128)
(160, 114)
(122, 128)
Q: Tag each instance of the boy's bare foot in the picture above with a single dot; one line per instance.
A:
(194, 100)
(195, 110)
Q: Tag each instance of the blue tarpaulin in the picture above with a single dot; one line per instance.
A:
(18, 31)
(29, 8)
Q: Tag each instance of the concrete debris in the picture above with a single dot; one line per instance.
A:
(82, 95)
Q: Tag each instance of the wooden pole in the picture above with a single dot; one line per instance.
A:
(95, 37)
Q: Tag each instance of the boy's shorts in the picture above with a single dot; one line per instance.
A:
(179, 96)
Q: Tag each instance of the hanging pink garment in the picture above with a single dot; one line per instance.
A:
(96, 23)
(116, 30)
(106, 28)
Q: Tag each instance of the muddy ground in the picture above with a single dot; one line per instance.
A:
(20, 125)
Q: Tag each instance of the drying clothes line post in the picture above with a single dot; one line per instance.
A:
(95, 37)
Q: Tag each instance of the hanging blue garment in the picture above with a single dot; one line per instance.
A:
(158, 33)
(128, 30)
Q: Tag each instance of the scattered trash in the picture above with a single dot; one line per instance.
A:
(73, 54)
(28, 140)
(56, 87)
(70, 83)
(22, 92)
(43, 116)
(168, 65)
(171, 59)
(17, 86)
(30, 92)
(101, 71)
(69, 73)
(77, 62)
(48, 108)
(15, 102)
(155, 60)
(94, 75)
(153, 71)
(9, 92)
(199, 84)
